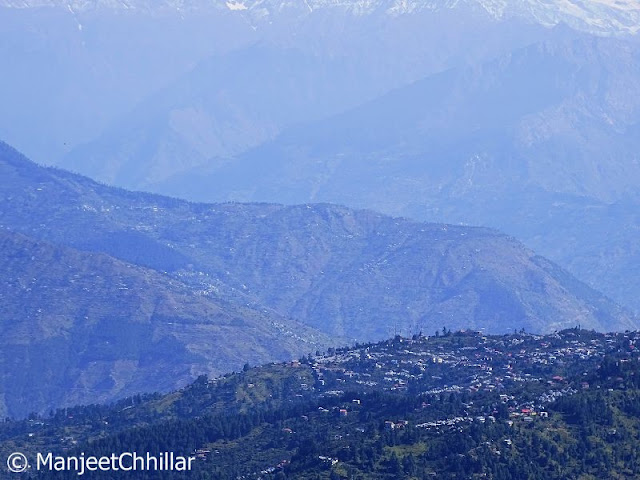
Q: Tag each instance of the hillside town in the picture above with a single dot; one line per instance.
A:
(470, 362)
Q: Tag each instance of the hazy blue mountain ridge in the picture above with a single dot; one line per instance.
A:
(353, 273)
(79, 67)
(82, 327)
(72, 72)
(230, 103)
(541, 143)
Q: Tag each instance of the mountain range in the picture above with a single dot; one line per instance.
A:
(621, 16)
(517, 116)
(540, 142)
(80, 328)
(532, 130)
(99, 283)
(82, 66)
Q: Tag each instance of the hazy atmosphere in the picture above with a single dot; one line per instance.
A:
(320, 239)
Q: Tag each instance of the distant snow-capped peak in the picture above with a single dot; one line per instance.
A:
(598, 16)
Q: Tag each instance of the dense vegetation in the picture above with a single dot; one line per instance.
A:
(456, 406)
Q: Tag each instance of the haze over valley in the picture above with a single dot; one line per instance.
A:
(384, 105)
(194, 188)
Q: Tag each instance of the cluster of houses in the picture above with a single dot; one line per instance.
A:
(470, 362)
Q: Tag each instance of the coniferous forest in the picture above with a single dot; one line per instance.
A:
(455, 405)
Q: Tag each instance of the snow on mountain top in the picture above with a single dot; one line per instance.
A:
(598, 16)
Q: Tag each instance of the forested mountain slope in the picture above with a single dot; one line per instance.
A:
(459, 405)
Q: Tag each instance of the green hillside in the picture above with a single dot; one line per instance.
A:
(456, 405)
